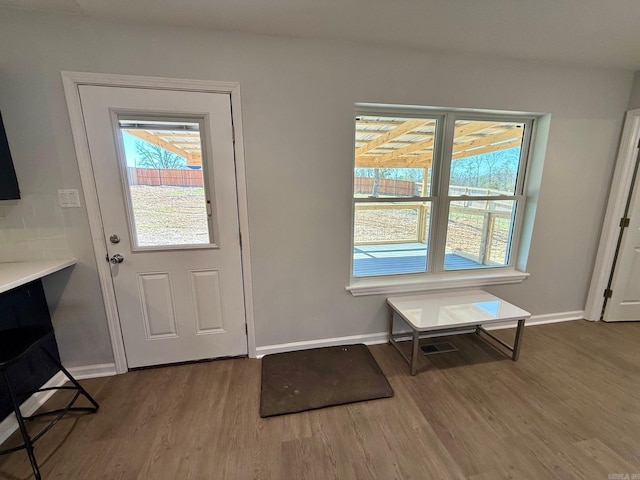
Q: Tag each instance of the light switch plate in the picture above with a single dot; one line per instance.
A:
(69, 198)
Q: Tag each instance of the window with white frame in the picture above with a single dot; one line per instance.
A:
(437, 191)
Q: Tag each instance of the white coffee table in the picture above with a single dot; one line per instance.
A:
(435, 314)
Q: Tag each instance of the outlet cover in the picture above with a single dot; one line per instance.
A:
(69, 198)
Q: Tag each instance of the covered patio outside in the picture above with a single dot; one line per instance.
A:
(392, 194)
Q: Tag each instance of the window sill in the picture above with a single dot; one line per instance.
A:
(444, 281)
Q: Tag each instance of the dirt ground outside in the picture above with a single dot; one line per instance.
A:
(166, 215)
(170, 215)
(464, 234)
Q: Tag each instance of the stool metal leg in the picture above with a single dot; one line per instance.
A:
(72, 380)
(23, 429)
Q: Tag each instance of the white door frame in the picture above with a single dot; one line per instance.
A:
(71, 82)
(620, 187)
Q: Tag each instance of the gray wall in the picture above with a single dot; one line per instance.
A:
(634, 101)
(298, 98)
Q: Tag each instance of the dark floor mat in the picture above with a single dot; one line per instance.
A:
(320, 377)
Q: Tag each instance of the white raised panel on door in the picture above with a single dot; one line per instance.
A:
(158, 311)
(207, 300)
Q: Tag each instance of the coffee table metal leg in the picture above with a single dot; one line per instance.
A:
(518, 339)
(414, 353)
(390, 324)
(515, 348)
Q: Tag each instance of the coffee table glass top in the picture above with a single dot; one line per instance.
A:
(454, 309)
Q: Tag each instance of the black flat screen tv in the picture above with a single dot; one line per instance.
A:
(8, 182)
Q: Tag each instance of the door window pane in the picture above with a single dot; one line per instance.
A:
(167, 191)
(479, 234)
(485, 158)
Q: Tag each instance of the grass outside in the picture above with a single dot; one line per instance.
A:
(168, 215)
(464, 234)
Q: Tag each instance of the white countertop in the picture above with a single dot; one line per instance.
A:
(454, 309)
(14, 274)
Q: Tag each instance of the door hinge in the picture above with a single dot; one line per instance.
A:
(246, 329)
(608, 293)
(233, 133)
(240, 237)
(624, 222)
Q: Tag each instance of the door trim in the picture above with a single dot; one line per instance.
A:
(620, 186)
(71, 82)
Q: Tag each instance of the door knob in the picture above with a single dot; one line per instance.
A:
(117, 258)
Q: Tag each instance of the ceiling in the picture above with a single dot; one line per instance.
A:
(602, 33)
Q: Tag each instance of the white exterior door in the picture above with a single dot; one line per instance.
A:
(624, 303)
(163, 163)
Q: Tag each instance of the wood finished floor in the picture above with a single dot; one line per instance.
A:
(569, 408)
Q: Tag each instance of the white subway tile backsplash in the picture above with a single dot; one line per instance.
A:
(18, 235)
(57, 254)
(20, 211)
(51, 232)
(11, 222)
(32, 228)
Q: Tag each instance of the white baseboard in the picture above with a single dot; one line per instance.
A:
(35, 401)
(367, 339)
(93, 371)
(376, 338)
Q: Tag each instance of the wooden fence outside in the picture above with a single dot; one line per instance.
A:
(176, 177)
(387, 186)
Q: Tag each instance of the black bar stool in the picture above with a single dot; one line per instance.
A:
(16, 344)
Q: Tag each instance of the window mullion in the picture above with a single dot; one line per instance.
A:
(439, 237)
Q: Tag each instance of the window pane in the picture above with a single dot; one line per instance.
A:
(485, 158)
(389, 182)
(390, 238)
(479, 234)
(393, 156)
(166, 186)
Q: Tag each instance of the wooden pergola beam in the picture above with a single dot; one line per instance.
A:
(472, 127)
(388, 158)
(487, 140)
(400, 152)
(156, 140)
(400, 130)
(488, 149)
(192, 158)
(424, 160)
(386, 123)
(409, 161)
(182, 134)
(405, 157)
